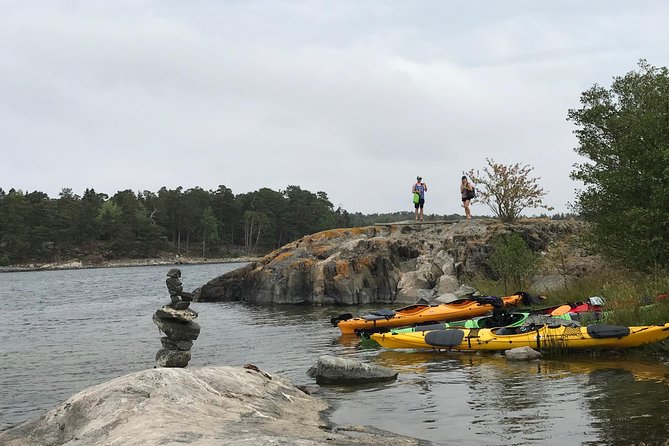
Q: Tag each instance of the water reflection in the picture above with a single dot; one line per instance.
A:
(618, 410)
(65, 328)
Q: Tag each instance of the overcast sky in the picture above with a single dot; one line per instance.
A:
(354, 98)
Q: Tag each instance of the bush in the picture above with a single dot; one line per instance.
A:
(513, 261)
(4, 261)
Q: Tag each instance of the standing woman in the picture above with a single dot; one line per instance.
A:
(419, 188)
(467, 192)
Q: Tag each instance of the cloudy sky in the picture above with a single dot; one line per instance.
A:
(354, 98)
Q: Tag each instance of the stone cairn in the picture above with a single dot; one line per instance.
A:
(176, 321)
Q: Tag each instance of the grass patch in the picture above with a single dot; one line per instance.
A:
(630, 296)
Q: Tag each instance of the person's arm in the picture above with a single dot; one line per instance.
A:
(413, 188)
(425, 187)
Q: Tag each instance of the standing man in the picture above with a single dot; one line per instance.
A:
(419, 188)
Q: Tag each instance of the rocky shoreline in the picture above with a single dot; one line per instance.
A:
(78, 264)
(397, 263)
(198, 406)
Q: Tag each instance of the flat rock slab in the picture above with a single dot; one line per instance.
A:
(200, 406)
(167, 312)
(334, 370)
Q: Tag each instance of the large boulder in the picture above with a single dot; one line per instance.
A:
(383, 264)
(447, 284)
(202, 406)
(331, 370)
(341, 266)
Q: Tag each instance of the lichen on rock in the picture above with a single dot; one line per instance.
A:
(381, 264)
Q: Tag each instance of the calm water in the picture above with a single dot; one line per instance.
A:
(63, 331)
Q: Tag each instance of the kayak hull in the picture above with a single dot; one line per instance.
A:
(418, 314)
(539, 338)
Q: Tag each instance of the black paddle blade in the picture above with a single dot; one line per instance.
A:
(529, 299)
(444, 338)
(342, 317)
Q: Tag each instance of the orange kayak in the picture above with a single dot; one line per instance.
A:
(416, 314)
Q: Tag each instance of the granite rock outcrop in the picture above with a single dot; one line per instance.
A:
(386, 264)
(197, 406)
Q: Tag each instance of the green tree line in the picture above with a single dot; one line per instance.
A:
(35, 227)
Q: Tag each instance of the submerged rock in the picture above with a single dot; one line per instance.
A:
(331, 369)
(522, 354)
(202, 406)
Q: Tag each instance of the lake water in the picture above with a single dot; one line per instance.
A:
(63, 331)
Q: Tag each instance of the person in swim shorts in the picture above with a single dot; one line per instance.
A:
(419, 188)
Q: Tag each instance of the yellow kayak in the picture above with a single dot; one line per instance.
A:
(541, 337)
(417, 314)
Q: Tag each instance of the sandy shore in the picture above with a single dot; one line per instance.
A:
(78, 264)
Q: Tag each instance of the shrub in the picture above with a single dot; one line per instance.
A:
(513, 261)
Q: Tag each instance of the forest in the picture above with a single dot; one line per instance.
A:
(192, 222)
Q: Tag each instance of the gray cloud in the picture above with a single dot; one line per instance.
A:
(353, 98)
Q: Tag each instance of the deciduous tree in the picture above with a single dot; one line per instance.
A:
(508, 190)
(623, 132)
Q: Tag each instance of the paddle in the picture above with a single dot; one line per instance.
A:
(342, 317)
(561, 310)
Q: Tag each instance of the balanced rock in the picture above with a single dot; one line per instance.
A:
(177, 330)
(176, 345)
(172, 358)
(169, 312)
(180, 332)
(331, 369)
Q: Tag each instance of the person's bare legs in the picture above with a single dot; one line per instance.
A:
(421, 214)
(416, 214)
(468, 213)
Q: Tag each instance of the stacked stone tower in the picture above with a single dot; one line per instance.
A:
(177, 322)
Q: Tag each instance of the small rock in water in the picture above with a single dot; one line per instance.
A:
(522, 354)
(330, 369)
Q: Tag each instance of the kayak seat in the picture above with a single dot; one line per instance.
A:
(379, 314)
(601, 331)
(430, 327)
(444, 338)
